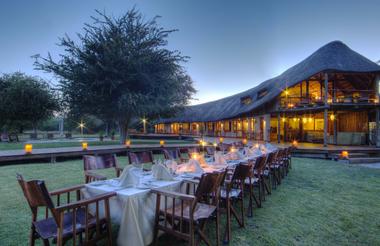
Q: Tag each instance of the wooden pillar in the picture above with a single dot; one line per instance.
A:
(206, 128)
(257, 128)
(307, 91)
(266, 134)
(325, 124)
(335, 128)
(222, 129)
(249, 128)
(278, 128)
(378, 127)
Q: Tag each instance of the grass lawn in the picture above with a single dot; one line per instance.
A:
(319, 203)
(20, 145)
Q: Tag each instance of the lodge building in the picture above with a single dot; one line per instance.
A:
(331, 97)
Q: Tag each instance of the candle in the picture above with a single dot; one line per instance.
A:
(28, 148)
(84, 145)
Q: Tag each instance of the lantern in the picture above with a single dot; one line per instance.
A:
(244, 141)
(344, 154)
(84, 145)
(332, 117)
(295, 143)
(215, 145)
(28, 148)
(162, 143)
(128, 143)
(221, 139)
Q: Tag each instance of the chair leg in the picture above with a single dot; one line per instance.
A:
(46, 242)
(250, 205)
(32, 236)
(227, 233)
(217, 226)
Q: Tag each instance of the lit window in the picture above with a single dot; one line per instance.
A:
(246, 100)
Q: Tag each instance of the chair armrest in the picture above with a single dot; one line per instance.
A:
(85, 202)
(66, 190)
(95, 176)
(119, 170)
(173, 194)
(191, 181)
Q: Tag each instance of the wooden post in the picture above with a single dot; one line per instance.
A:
(307, 92)
(378, 127)
(325, 124)
(278, 128)
(249, 128)
(257, 128)
(335, 128)
(266, 134)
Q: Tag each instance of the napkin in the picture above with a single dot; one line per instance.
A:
(160, 172)
(193, 166)
(128, 177)
(219, 159)
(171, 164)
(236, 155)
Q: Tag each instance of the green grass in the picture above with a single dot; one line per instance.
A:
(14, 146)
(319, 203)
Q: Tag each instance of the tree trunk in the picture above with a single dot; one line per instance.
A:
(123, 128)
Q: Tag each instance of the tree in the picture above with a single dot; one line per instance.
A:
(121, 69)
(25, 100)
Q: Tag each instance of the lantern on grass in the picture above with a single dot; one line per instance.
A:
(128, 143)
(162, 143)
(344, 154)
(28, 148)
(295, 143)
(84, 145)
(244, 141)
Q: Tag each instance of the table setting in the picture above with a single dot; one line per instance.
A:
(134, 206)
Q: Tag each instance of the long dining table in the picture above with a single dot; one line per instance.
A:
(133, 208)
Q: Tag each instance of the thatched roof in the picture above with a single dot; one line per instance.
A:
(333, 57)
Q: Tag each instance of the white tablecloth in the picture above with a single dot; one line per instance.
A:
(133, 209)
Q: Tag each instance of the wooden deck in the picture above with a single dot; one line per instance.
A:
(51, 154)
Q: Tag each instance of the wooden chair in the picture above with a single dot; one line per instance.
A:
(188, 152)
(91, 163)
(255, 179)
(225, 147)
(140, 157)
(173, 154)
(210, 151)
(69, 220)
(185, 215)
(233, 193)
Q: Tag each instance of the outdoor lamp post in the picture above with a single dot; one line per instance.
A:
(81, 126)
(144, 125)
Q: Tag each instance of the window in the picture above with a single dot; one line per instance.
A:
(262, 93)
(246, 100)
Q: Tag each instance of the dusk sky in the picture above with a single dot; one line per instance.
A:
(233, 45)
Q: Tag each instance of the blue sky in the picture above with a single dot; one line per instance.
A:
(233, 45)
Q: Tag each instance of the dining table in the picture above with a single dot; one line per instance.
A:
(133, 208)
